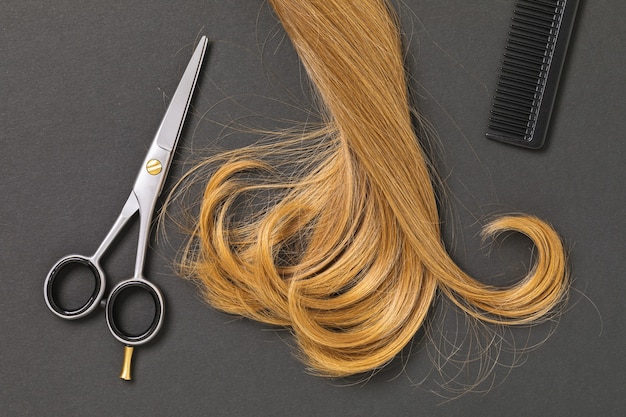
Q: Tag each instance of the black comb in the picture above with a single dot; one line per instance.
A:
(529, 77)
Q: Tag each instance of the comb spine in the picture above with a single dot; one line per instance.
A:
(556, 68)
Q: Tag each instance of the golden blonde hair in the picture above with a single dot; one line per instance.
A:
(335, 232)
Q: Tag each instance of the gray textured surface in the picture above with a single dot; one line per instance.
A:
(83, 86)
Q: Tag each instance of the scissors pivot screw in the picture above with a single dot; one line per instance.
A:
(153, 167)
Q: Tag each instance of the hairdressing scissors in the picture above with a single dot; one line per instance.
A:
(142, 200)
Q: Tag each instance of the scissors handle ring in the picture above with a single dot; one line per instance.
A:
(94, 298)
(157, 321)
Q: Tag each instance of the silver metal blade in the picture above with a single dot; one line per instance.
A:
(173, 121)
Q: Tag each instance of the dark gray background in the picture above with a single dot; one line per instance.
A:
(83, 86)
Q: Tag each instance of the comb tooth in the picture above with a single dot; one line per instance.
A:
(547, 18)
(518, 55)
(529, 81)
(525, 29)
(518, 77)
(519, 126)
(526, 56)
(520, 96)
(508, 113)
(528, 93)
(541, 48)
(531, 37)
(547, 3)
(527, 119)
(524, 91)
(518, 62)
(519, 80)
(523, 72)
(506, 97)
(515, 119)
(526, 51)
(504, 127)
(546, 27)
(535, 73)
(512, 97)
(549, 21)
(512, 106)
(547, 11)
(530, 22)
(513, 124)
(511, 127)
(516, 90)
(524, 66)
(522, 75)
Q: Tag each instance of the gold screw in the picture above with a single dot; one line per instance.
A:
(153, 166)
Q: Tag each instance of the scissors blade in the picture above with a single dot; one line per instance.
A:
(173, 121)
(153, 172)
